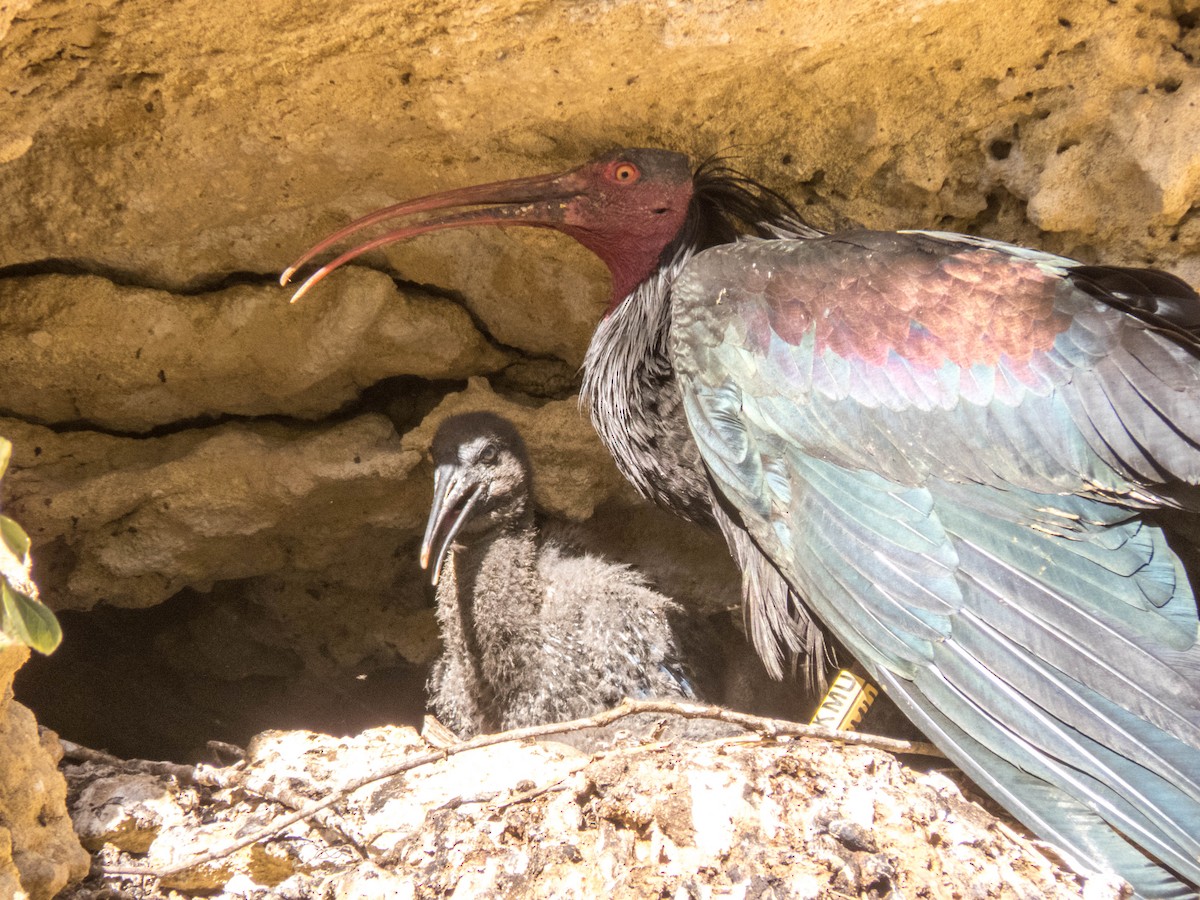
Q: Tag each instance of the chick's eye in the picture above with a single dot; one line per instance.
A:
(625, 172)
(488, 455)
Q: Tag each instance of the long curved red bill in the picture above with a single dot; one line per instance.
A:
(539, 201)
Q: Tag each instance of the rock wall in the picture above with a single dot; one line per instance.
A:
(180, 429)
(39, 853)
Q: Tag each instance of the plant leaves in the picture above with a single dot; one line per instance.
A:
(5, 455)
(14, 537)
(28, 620)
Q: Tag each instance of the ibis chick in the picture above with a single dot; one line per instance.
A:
(533, 632)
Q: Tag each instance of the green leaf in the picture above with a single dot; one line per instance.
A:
(28, 620)
(14, 537)
(5, 455)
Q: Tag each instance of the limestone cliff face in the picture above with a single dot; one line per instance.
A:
(159, 164)
(178, 426)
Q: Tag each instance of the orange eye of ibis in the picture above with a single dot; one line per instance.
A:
(626, 173)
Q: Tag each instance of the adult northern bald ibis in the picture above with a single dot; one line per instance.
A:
(533, 633)
(959, 452)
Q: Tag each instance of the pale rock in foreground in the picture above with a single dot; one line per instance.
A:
(731, 817)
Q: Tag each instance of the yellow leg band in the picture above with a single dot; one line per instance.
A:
(847, 700)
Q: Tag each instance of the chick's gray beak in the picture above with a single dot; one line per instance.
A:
(453, 502)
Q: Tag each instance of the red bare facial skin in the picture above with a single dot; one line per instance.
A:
(626, 207)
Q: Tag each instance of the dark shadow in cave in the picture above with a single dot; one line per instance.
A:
(117, 683)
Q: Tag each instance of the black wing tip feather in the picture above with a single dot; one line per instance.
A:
(1140, 282)
(1160, 300)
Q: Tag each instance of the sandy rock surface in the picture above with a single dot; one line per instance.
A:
(732, 817)
(39, 852)
(156, 358)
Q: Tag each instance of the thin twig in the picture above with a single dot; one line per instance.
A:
(294, 800)
(202, 775)
(456, 802)
(521, 796)
(526, 796)
(773, 728)
(208, 776)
